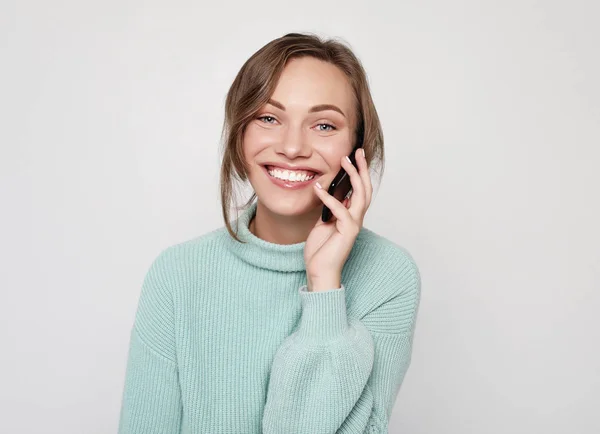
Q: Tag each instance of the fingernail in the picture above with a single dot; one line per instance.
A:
(363, 151)
(348, 158)
(318, 185)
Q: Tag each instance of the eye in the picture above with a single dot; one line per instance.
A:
(266, 117)
(327, 125)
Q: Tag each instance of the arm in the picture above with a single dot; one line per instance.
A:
(151, 400)
(340, 375)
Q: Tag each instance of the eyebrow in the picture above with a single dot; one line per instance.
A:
(316, 108)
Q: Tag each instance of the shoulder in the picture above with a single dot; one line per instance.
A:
(189, 252)
(167, 278)
(173, 269)
(387, 262)
(387, 284)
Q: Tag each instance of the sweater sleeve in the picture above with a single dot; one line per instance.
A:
(151, 399)
(338, 374)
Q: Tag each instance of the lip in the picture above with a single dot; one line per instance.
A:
(289, 185)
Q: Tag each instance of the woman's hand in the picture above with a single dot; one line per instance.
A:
(329, 244)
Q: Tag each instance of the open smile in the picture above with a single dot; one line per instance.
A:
(288, 184)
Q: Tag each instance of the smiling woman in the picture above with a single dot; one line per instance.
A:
(297, 101)
(288, 324)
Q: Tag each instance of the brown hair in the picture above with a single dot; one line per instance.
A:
(256, 82)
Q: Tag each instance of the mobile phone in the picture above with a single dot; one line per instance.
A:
(340, 186)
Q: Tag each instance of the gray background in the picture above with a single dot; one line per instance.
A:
(110, 121)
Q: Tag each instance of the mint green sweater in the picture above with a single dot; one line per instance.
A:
(226, 339)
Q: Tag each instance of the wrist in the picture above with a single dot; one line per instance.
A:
(317, 284)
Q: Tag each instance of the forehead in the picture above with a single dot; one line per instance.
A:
(307, 81)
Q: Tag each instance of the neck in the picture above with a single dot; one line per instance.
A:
(279, 229)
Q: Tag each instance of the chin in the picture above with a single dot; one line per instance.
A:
(291, 205)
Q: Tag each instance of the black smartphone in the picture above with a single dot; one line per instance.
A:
(340, 186)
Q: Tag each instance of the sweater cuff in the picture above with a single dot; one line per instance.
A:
(323, 315)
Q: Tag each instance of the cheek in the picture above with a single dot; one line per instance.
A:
(250, 142)
(334, 150)
(256, 139)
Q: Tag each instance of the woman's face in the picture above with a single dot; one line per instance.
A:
(293, 130)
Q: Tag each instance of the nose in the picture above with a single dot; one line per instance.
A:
(294, 143)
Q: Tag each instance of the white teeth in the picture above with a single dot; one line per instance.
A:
(290, 175)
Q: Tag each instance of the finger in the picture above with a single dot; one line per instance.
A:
(363, 169)
(337, 208)
(357, 210)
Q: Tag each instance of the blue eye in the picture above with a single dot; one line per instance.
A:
(328, 125)
(267, 116)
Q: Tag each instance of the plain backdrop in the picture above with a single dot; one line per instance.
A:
(110, 120)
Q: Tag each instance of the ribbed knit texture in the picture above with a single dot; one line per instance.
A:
(227, 339)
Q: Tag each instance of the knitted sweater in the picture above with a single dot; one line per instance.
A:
(227, 339)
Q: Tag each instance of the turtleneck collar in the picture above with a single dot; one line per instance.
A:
(261, 253)
(264, 254)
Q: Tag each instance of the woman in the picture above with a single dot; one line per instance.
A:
(288, 324)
